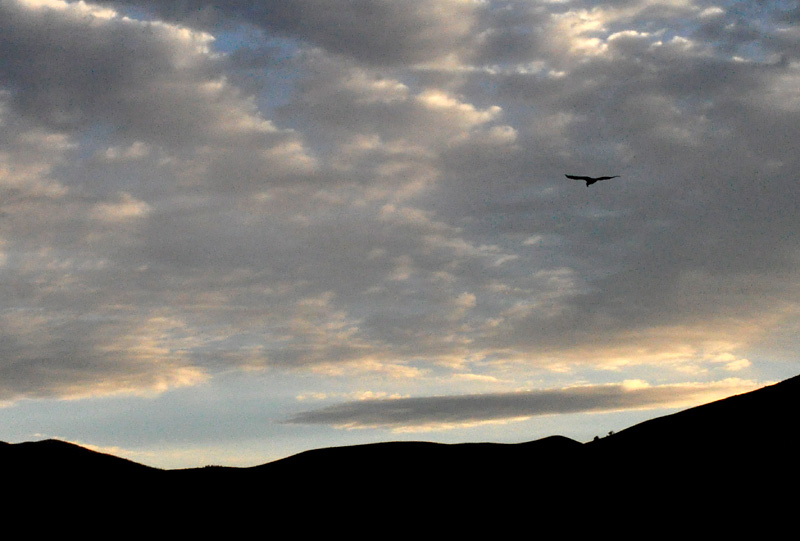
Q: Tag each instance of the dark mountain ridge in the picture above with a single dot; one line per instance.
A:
(722, 447)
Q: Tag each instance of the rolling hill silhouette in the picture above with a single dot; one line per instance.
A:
(740, 449)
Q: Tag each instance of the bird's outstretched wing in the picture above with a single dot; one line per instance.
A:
(589, 180)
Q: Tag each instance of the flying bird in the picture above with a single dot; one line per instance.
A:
(589, 180)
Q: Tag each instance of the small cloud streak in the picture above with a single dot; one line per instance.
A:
(420, 414)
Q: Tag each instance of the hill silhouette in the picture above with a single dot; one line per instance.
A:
(740, 449)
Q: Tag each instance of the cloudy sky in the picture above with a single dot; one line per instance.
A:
(233, 231)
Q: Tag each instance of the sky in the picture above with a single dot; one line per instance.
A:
(234, 231)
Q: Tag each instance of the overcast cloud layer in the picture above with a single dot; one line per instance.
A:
(376, 189)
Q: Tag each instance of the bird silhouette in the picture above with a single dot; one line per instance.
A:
(589, 180)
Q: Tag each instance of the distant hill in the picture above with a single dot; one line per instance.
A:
(724, 449)
(55, 458)
(735, 431)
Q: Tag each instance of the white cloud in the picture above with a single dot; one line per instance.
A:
(125, 208)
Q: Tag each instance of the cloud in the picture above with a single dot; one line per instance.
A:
(375, 32)
(380, 189)
(64, 355)
(443, 412)
(141, 84)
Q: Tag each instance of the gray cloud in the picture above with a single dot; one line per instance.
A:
(68, 67)
(68, 354)
(451, 411)
(377, 32)
(399, 201)
(81, 70)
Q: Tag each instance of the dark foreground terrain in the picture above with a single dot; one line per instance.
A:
(733, 456)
